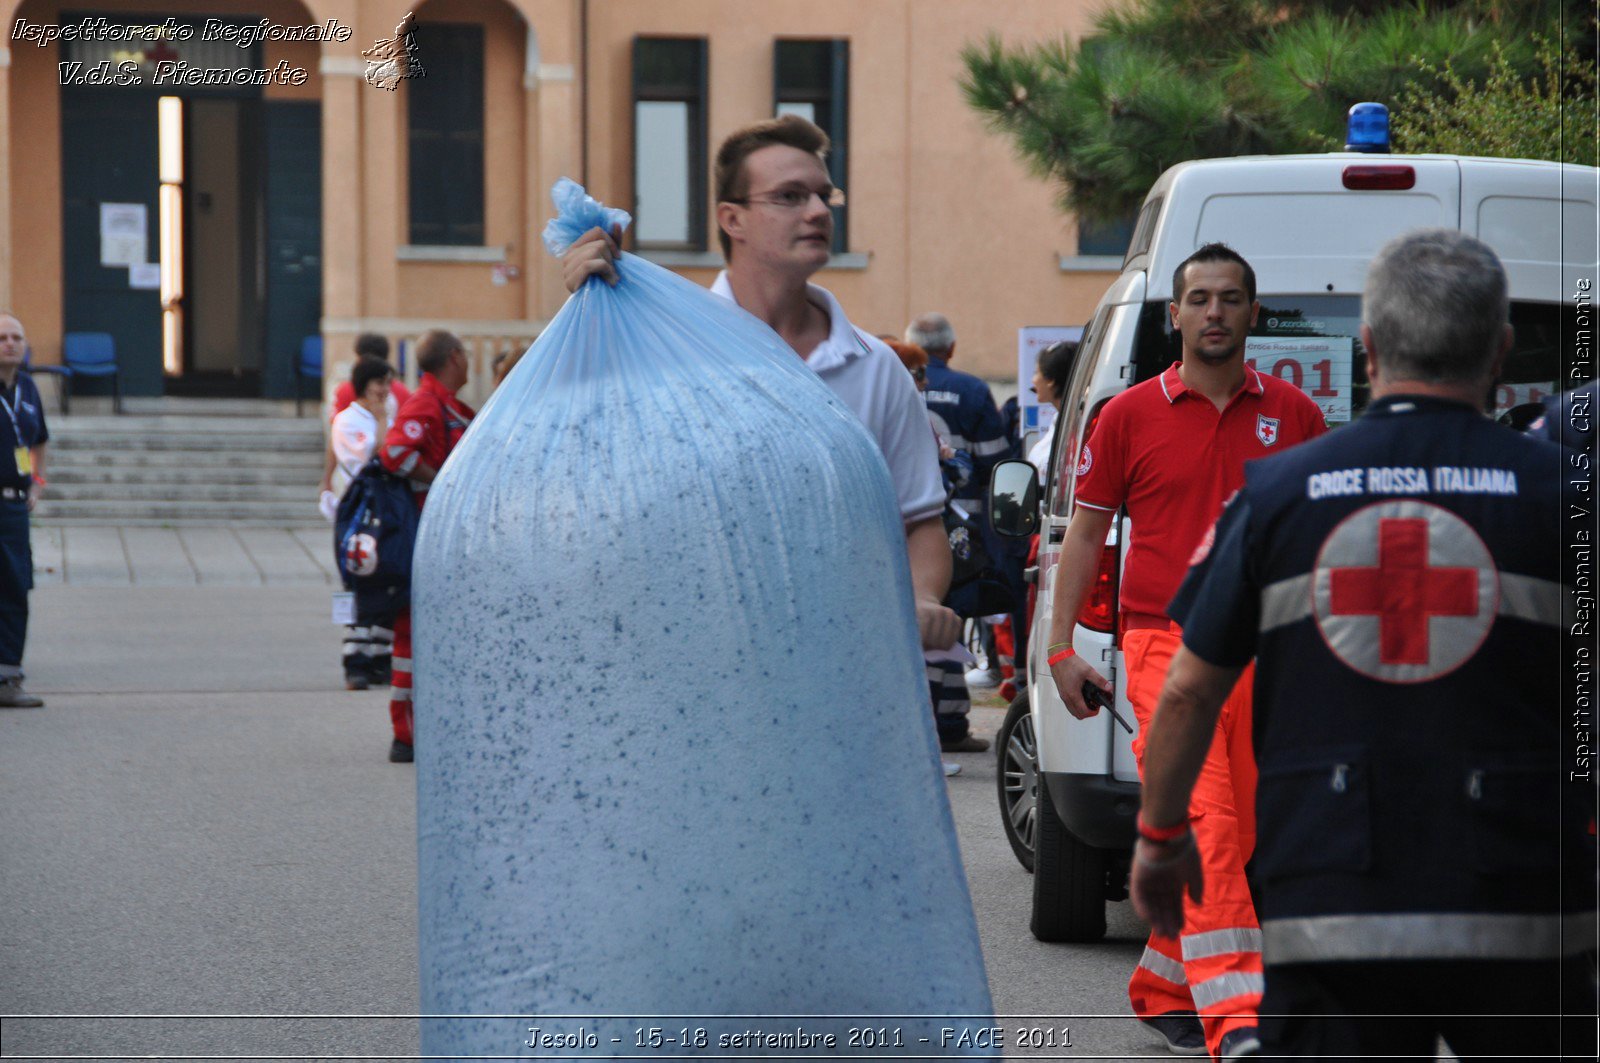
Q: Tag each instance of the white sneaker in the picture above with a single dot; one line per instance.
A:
(982, 677)
(951, 768)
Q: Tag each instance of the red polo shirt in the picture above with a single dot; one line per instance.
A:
(1168, 455)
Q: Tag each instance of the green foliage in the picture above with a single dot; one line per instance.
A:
(1502, 115)
(1161, 81)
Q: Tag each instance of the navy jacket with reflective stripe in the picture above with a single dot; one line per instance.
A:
(1400, 579)
(965, 415)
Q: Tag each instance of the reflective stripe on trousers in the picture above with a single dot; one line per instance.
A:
(1163, 966)
(1219, 954)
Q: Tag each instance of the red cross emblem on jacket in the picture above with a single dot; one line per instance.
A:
(1404, 591)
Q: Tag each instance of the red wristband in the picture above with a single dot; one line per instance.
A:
(1162, 834)
(1059, 656)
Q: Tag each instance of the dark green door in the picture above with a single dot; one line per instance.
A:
(293, 133)
(108, 155)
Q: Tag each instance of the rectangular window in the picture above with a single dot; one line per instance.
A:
(669, 143)
(812, 79)
(444, 126)
(1105, 238)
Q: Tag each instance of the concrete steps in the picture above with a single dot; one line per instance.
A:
(185, 462)
(205, 512)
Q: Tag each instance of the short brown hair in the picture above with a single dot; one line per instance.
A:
(366, 370)
(435, 349)
(911, 355)
(789, 130)
(372, 345)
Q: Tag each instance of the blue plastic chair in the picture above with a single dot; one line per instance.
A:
(50, 370)
(93, 354)
(308, 367)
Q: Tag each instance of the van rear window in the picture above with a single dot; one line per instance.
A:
(1314, 342)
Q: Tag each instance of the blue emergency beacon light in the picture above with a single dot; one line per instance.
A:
(1369, 129)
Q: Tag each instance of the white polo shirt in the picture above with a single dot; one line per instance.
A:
(868, 377)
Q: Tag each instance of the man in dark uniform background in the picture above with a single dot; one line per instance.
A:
(963, 413)
(24, 436)
(1423, 866)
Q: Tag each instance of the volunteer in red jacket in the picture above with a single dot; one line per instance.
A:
(426, 428)
(1171, 450)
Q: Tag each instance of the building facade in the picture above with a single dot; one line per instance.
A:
(214, 181)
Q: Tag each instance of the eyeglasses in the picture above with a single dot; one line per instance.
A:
(794, 198)
(919, 374)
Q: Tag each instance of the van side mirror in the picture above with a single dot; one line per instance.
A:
(1520, 417)
(1014, 499)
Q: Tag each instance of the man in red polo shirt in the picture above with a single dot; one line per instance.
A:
(426, 429)
(1172, 450)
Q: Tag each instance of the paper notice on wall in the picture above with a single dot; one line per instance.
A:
(144, 275)
(1317, 365)
(122, 234)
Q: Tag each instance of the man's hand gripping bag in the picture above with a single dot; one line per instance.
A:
(674, 755)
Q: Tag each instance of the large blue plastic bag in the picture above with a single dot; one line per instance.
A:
(674, 755)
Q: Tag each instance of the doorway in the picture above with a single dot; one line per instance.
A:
(233, 209)
(223, 280)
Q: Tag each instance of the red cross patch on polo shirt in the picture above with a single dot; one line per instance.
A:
(1404, 591)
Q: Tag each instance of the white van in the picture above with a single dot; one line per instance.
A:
(1309, 225)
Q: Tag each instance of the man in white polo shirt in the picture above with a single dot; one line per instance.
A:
(776, 229)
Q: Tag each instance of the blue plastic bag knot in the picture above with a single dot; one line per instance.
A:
(576, 213)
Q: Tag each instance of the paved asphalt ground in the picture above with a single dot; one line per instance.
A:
(203, 823)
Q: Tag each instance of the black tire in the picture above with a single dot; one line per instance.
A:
(1017, 780)
(1069, 881)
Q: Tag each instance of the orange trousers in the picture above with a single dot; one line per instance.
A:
(1005, 652)
(1214, 968)
(400, 678)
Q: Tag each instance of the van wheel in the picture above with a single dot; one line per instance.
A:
(1017, 779)
(1069, 881)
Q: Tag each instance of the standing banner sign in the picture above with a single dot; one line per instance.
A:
(1031, 339)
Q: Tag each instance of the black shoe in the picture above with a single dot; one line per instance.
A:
(399, 752)
(356, 681)
(1182, 1032)
(12, 696)
(966, 744)
(1236, 1043)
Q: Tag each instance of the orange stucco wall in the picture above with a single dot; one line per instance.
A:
(947, 218)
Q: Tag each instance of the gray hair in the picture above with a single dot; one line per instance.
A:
(1437, 305)
(932, 332)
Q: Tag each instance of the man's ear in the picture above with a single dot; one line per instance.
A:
(730, 221)
(1255, 312)
(1372, 360)
(1172, 314)
(1508, 337)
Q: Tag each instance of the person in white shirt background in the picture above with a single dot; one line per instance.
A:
(356, 433)
(1050, 387)
(360, 425)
